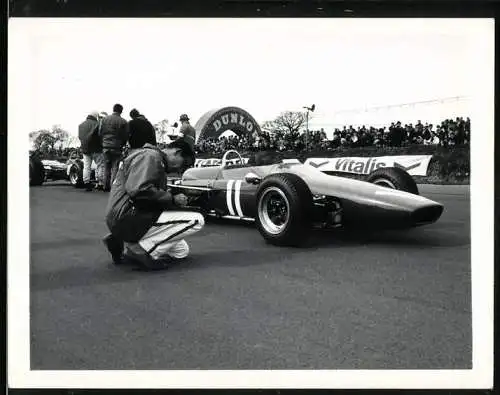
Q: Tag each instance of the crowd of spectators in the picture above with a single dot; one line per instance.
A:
(449, 133)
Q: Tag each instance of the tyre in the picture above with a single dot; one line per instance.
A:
(395, 178)
(284, 205)
(76, 176)
(37, 172)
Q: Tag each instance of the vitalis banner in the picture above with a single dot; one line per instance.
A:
(416, 165)
(209, 162)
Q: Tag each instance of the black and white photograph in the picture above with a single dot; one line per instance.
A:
(250, 202)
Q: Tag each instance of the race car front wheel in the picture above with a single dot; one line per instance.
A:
(395, 178)
(284, 205)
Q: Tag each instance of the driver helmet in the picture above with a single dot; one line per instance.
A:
(184, 117)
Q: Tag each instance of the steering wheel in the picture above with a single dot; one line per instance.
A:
(224, 158)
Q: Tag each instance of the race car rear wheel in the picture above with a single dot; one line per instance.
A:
(284, 204)
(75, 176)
(395, 178)
(37, 172)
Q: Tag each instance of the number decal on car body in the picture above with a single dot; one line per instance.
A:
(229, 191)
(237, 197)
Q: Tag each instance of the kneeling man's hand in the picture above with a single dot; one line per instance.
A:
(180, 199)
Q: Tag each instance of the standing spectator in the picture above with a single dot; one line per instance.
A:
(426, 135)
(344, 132)
(460, 131)
(140, 130)
(418, 131)
(187, 132)
(114, 138)
(398, 136)
(410, 134)
(442, 134)
(100, 166)
(335, 142)
(91, 147)
(354, 139)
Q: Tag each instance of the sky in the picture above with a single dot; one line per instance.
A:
(166, 67)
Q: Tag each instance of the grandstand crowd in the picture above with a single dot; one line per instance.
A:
(449, 133)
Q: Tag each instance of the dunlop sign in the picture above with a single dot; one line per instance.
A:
(233, 120)
(415, 165)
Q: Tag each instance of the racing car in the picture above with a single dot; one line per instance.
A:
(54, 170)
(287, 199)
(42, 170)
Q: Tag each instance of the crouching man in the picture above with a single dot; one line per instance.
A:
(142, 213)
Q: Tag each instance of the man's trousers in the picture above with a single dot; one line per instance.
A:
(112, 158)
(87, 166)
(166, 237)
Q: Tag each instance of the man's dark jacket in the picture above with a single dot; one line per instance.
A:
(88, 134)
(188, 134)
(138, 196)
(114, 132)
(140, 132)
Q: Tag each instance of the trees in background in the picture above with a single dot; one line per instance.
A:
(52, 142)
(163, 130)
(287, 123)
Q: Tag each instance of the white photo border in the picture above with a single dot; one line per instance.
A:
(20, 45)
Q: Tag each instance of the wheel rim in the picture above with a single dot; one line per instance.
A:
(73, 177)
(384, 183)
(274, 210)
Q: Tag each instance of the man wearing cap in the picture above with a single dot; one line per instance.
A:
(187, 132)
(91, 147)
(143, 213)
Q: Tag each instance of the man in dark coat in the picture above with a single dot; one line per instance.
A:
(187, 132)
(114, 137)
(142, 212)
(91, 147)
(140, 130)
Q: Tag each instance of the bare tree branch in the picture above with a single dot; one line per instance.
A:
(288, 122)
(162, 129)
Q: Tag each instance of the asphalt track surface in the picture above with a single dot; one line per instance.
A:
(397, 300)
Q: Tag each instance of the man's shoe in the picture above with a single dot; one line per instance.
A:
(115, 247)
(138, 254)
